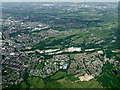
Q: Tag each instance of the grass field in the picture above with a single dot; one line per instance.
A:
(108, 79)
(88, 84)
(23, 85)
(53, 84)
(72, 56)
(39, 66)
(118, 55)
(36, 82)
(58, 75)
(72, 78)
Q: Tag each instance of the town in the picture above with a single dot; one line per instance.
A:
(59, 43)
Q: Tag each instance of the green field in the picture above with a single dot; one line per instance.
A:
(90, 84)
(72, 78)
(33, 82)
(23, 85)
(108, 79)
(39, 66)
(72, 56)
(58, 75)
(53, 84)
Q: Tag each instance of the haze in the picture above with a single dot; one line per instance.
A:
(60, 0)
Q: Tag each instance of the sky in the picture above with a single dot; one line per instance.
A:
(60, 0)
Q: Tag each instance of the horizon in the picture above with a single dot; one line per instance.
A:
(59, 1)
